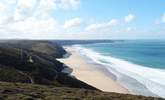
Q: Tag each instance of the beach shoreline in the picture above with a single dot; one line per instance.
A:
(90, 73)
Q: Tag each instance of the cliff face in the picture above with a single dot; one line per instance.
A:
(35, 62)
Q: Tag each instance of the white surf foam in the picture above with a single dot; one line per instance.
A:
(152, 79)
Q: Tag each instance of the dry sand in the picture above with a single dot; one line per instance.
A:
(88, 73)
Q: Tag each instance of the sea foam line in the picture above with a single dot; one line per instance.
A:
(152, 79)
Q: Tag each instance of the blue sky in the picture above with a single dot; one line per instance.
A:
(82, 19)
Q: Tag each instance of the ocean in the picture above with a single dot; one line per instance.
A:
(138, 65)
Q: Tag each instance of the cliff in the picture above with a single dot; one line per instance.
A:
(29, 71)
(35, 62)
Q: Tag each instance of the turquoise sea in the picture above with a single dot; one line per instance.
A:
(137, 65)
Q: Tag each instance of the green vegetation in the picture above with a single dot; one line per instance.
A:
(12, 75)
(18, 91)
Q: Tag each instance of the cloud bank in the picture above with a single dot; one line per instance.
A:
(33, 16)
(37, 19)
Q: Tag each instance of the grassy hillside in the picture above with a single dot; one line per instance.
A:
(17, 91)
(39, 46)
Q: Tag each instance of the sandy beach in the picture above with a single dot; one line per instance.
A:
(88, 73)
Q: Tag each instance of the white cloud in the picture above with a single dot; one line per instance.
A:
(2, 7)
(160, 20)
(42, 8)
(45, 6)
(113, 22)
(28, 18)
(32, 25)
(34, 16)
(163, 18)
(2, 13)
(75, 22)
(102, 26)
(65, 4)
(129, 18)
(130, 29)
(94, 27)
(24, 8)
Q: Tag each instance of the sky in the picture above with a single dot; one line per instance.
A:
(82, 19)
